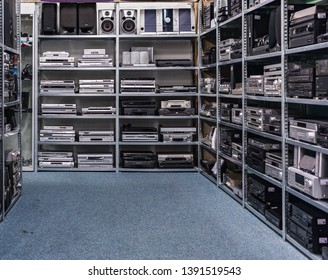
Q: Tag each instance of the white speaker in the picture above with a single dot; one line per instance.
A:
(128, 21)
(106, 22)
(126, 58)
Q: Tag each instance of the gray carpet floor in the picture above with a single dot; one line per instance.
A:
(133, 216)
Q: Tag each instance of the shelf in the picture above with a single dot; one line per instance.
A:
(305, 101)
(263, 56)
(77, 94)
(320, 204)
(76, 37)
(307, 146)
(223, 155)
(11, 50)
(208, 66)
(207, 147)
(265, 134)
(235, 96)
(159, 37)
(231, 61)
(206, 32)
(207, 95)
(76, 68)
(264, 176)
(154, 68)
(262, 218)
(76, 143)
(232, 125)
(138, 94)
(226, 22)
(76, 117)
(157, 169)
(264, 98)
(301, 50)
(208, 176)
(158, 143)
(212, 120)
(258, 6)
(12, 103)
(158, 117)
(75, 169)
(12, 133)
(302, 249)
(230, 192)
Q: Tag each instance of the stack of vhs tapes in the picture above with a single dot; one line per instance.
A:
(58, 109)
(55, 159)
(138, 85)
(96, 136)
(95, 161)
(56, 59)
(95, 58)
(52, 133)
(96, 86)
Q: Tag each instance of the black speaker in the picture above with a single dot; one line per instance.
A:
(87, 17)
(10, 23)
(272, 29)
(49, 19)
(278, 26)
(68, 18)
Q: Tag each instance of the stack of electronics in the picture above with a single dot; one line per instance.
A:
(58, 109)
(321, 79)
(237, 151)
(229, 136)
(176, 89)
(56, 59)
(264, 119)
(273, 165)
(10, 123)
(52, 133)
(232, 178)
(225, 87)
(143, 134)
(95, 161)
(177, 134)
(224, 11)
(229, 47)
(235, 7)
(266, 199)
(55, 159)
(176, 160)
(257, 151)
(228, 110)
(57, 86)
(255, 85)
(209, 56)
(307, 27)
(139, 108)
(10, 79)
(95, 58)
(98, 110)
(300, 80)
(309, 174)
(139, 159)
(96, 136)
(138, 85)
(210, 138)
(237, 115)
(138, 56)
(264, 31)
(96, 86)
(208, 110)
(310, 131)
(208, 85)
(12, 176)
(308, 226)
(272, 80)
(176, 108)
(209, 15)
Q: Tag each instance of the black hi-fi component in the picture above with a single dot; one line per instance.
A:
(87, 18)
(300, 80)
(321, 79)
(68, 19)
(49, 19)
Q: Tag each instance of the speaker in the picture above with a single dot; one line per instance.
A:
(278, 26)
(10, 35)
(272, 29)
(68, 18)
(87, 18)
(148, 21)
(106, 21)
(49, 19)
(128, 22)
(187, 21)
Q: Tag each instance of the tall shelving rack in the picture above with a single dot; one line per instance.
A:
(10, 105)
(287, 105)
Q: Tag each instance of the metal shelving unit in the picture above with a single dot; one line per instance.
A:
(10, 111)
